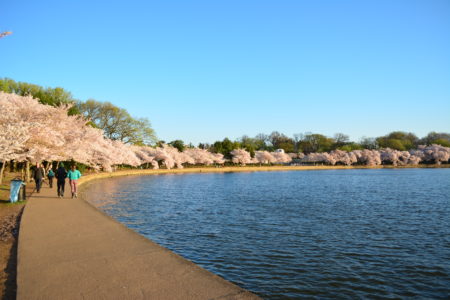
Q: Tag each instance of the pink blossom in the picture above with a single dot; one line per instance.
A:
(240, 156)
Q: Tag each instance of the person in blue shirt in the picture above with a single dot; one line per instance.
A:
(73, 176)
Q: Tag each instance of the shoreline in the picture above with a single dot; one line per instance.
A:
(137, 172)
(69, 249)
(238, 169)
(46, 214)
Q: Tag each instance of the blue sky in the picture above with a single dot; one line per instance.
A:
(205, 70)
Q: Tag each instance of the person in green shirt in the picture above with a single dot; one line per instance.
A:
(50, 176)
(73, 176)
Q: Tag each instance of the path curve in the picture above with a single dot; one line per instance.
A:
(70, 250)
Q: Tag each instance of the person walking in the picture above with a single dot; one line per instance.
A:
(50, 176)
(73, 176)
(38, 176)
(61, 175)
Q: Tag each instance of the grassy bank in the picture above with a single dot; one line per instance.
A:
(10, 214)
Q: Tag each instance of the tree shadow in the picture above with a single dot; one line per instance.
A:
(10, 290)
(5, 191)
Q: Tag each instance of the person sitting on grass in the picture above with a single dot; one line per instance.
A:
(73, 176)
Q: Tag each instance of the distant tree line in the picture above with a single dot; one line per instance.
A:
(105, 137)
(318, 143)
(118, 124)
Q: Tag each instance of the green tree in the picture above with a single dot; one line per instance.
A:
(393, 144)
(252, 144)
(225, 147)
(313, 142)
(442, 142)
(350, 147)
(179, 144)
(50, 96)
(368, 143)
(117, 123)
(440, 138)
(204, 146)
(340, 140)
(261, 141)
(398, 140)
(281, 141)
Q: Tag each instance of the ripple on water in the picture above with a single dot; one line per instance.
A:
(316, 234)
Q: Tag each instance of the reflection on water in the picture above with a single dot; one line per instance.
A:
(320, 234)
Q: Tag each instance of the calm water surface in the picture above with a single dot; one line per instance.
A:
(311, 234)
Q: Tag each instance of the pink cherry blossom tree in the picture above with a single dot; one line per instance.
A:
(240, 156)
(264, 157)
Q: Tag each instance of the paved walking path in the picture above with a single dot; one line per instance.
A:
(70, 250)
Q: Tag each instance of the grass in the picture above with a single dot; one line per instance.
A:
(8, 243)
(5, 189)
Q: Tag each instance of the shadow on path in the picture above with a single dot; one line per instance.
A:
(11, 267)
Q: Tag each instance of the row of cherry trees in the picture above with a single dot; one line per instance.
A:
(428, 154)
(32, 132)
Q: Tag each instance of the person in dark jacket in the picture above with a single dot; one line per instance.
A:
(61, 175)
(38, 176)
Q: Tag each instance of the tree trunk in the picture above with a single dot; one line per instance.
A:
(49, 166)
(27, 171)
(1, 171)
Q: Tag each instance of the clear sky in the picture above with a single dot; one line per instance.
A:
(205, 70)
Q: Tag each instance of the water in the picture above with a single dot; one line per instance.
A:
(312, 234)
